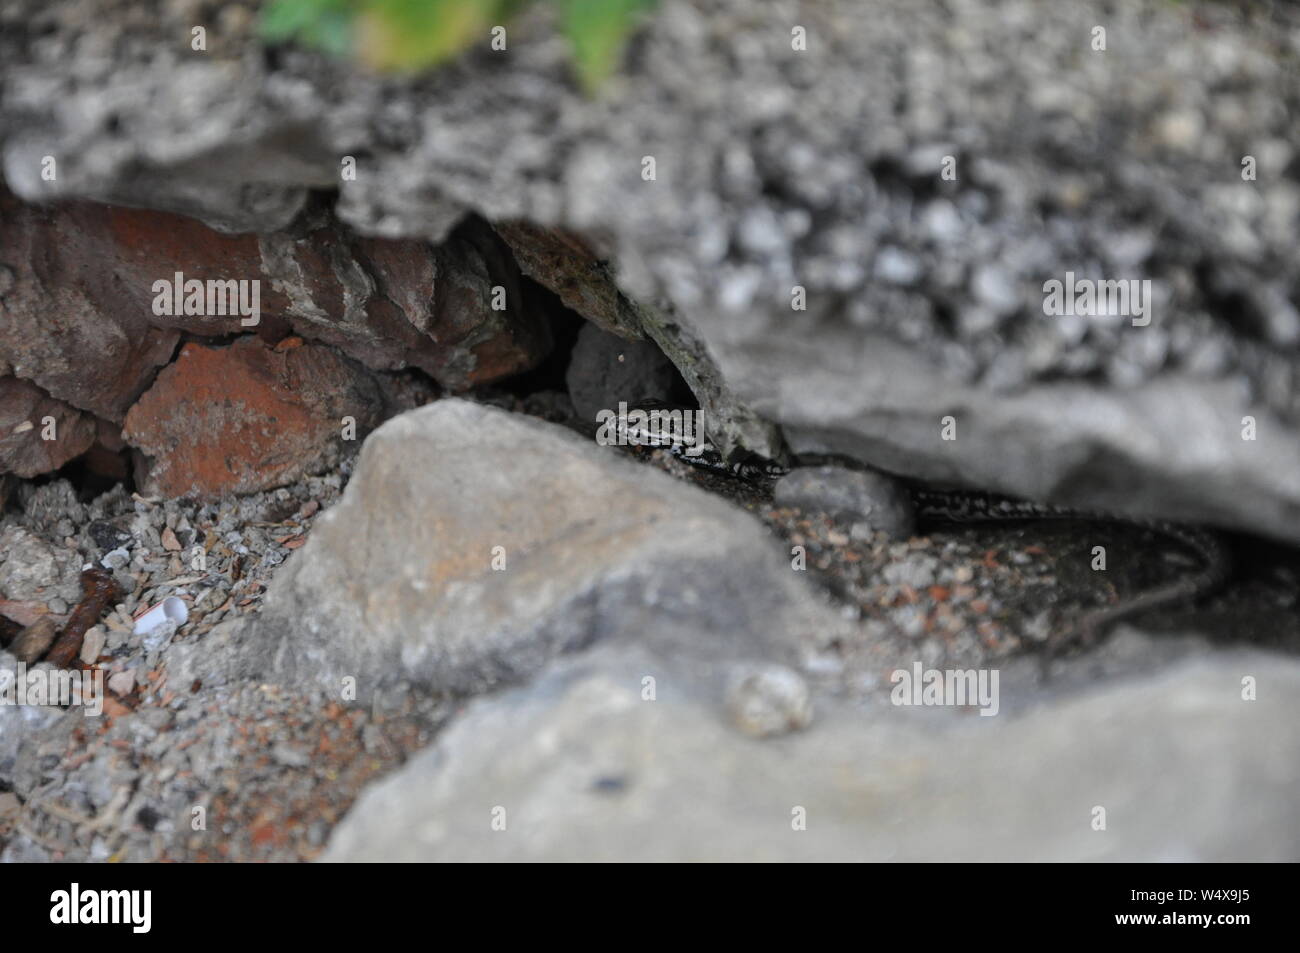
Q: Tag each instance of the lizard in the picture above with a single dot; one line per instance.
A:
(969, 506)
(965, 506)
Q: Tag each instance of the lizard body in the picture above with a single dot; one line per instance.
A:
(962, 506)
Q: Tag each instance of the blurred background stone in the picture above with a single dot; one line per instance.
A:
(784, 171)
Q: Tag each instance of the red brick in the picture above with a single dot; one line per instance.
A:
(245, 417)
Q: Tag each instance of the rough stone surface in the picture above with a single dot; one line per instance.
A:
(1062, 442)
(606, 369)
(563, 263)
(248, 417)
(18, 723)
(856, 496)
(79, 317)
(1185, 769)
(24, 411)
(781, 169)
(67, 323)
(393, 304)
(732, 424)
(33, 571)
(397, 582)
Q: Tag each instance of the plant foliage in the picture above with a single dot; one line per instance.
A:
(412, 35)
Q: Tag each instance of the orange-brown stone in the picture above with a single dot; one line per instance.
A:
(247, 417)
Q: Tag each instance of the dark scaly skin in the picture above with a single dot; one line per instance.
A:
(961, 506)
(964, 506)
(755, 470)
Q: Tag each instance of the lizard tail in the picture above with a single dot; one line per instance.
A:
(1217, 564)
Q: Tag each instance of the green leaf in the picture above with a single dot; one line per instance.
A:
(282, 19)
(416, 34)
(321, 24)
(598, 31)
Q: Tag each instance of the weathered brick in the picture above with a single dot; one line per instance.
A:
(248, 417)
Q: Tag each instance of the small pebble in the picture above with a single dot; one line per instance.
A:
(116, 559)
(290, 756)
(771, 701)
(92, 646)
(122, 683)
(857, 496)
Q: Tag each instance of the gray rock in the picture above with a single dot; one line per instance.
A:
(33, 570)
(20, 725)
(121, 683)
(731, 423)
(290, 756)
(215, 659)
(579, 766)
(856, 496)
(116, 559)
(397, 582)
(1069, 443)
(897, 267)
(159, 637)
(916, 571)
(606, 368)
(570, 268)
(237, 206)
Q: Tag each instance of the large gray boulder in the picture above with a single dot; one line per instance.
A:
(473, 545)
(581, 766)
